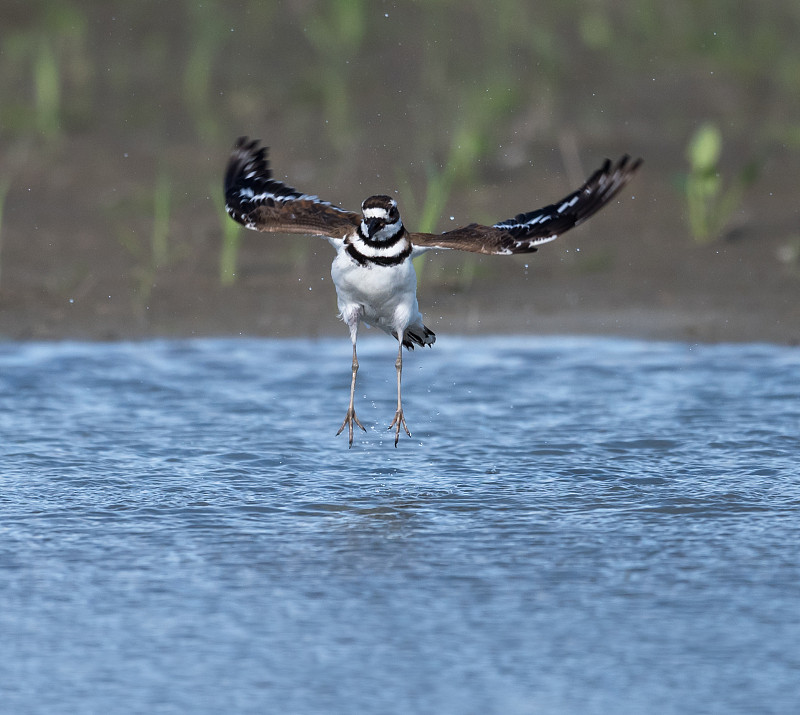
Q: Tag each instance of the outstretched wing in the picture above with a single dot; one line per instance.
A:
(526, 232)
(257, 201)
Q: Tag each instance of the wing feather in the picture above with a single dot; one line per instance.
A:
(527, 231)
(258, 201)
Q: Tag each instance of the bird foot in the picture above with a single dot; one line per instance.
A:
(397, 422)
(349, 419)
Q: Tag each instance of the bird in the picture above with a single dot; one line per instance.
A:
(373, 271)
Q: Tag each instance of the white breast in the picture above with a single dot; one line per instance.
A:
(384, 296)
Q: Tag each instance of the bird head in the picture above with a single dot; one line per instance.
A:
(381, 219)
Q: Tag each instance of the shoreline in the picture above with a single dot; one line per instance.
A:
(647, 323)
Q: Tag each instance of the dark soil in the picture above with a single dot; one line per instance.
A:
(68, 272)
(76, 260)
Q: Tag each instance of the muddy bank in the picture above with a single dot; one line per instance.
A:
(112, 229)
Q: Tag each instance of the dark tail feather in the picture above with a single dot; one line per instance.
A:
(417, 335)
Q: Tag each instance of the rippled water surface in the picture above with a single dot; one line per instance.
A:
(577, 526)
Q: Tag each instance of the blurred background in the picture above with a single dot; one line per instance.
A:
(116, 120)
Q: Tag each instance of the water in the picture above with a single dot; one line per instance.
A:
(577, 526)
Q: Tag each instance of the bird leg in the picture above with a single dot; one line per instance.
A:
(350, 417)
(398, 415)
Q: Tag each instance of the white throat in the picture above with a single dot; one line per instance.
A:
(387, 233)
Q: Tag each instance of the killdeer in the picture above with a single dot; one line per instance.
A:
(373, 270)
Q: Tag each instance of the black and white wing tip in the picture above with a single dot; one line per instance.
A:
(548, 223)
(527, 231)
(249, 183)
(260, 202)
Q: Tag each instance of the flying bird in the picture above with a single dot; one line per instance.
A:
(373, 270)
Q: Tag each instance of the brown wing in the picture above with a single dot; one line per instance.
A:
(527, 231)
(257, 201)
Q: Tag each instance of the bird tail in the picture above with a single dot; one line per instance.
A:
(417, 335)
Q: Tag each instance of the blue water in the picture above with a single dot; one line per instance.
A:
(577, 526)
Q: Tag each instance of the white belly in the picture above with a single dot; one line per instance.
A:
(382, 296)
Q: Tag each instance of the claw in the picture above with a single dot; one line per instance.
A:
(349, 418)
(396, 422)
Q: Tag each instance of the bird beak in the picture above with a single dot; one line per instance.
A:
(373, 226)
